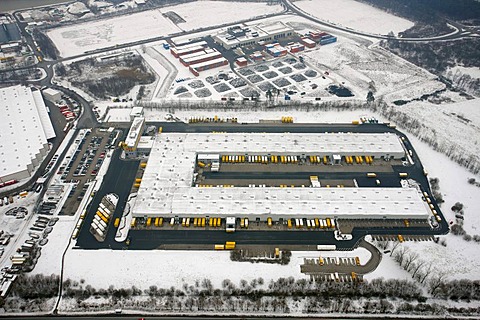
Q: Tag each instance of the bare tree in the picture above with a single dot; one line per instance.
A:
(416, 267)
(436, 281)
(395, 246)
(409, 259)
(400, 255)
(426, 272)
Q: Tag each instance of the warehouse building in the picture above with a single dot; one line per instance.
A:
(133, 138)
(168, 190)
(239, 36)
(25, 129)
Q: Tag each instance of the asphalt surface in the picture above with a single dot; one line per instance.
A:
(121, 175)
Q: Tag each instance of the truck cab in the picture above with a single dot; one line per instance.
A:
(230, 224)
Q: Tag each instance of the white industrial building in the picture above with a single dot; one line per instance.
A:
(133, 136)
(52, 95)
(239, 36)
(25, 129)
(167, 188)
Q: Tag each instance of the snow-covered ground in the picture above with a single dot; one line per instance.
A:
(363, 68)
(128, 268)
(201, 14)
(471, 71)
(459, 259)
(79, 38)
(355, 15)
(87, 36)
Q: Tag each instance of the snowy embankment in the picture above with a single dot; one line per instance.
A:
(355, 15)
(452, 129)
(459, 259)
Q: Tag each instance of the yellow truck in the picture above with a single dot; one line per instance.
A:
(133, 223)
(219, 247)
(269, 221)
(230, 245)
(117, 222)
(149, 222)
(371, 175)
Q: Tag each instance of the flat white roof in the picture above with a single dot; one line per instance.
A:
(134, 132)
(202, 56)
(207, 63)
(334, 202)
(196, 54)
(167, 183)
(25, 128)
(51, 91)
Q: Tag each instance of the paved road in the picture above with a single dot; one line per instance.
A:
(121, 174)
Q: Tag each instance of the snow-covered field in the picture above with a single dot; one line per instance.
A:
(355, 15)
(363, 68)
(79, 38)
(128, 268)
(201, 14)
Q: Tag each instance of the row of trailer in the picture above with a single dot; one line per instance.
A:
(315, 223)
(359, 159)
(432, 207)
(101, 219)
(259, 159)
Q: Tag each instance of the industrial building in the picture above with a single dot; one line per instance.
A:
(52, 95)
(167, 188)
(133, 138)
(25, 129)
(240, 36)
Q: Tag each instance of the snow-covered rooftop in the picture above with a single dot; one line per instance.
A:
(167, 183)
(25, 127)
(135, 132)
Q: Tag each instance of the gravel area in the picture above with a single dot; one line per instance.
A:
(195, 84)
(285, 70)
(298, 77)
(255, 78)
(282, 82)
(270, 74)
(277, 64)
(299, 66)
(290, 60)
(222, 87)
(203, 93)
(310, 73)
(238, 82)
(211, 80)
(180, 90)
(249, 92)
(246, 72)
(264, 86)
(261, 68)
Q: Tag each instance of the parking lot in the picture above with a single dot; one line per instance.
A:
(84, 164)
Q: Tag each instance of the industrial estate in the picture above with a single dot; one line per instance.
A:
(249, 138)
